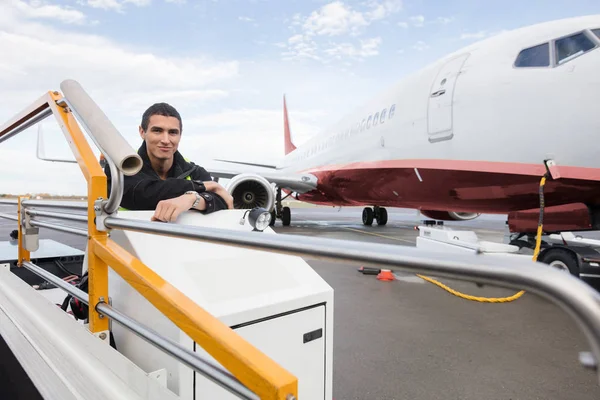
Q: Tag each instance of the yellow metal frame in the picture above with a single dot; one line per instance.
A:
(254, 369)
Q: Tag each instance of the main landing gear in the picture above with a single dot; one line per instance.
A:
(283, 213)
(376, 213)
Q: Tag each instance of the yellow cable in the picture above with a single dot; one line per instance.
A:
(538, 244)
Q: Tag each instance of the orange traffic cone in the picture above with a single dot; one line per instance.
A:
(386, 275)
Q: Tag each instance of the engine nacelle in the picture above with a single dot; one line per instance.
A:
(250, 191)
(449, 215)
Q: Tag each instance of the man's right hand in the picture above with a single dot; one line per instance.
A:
(221, 191)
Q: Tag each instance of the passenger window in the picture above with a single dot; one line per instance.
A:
(596, 32)
(537, 56)
(572, 46)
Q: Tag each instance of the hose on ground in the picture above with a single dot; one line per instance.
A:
(538, 243)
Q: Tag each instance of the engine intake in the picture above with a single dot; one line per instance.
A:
(449, 215)
(250, 191)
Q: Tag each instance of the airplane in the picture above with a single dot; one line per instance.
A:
(471, 133)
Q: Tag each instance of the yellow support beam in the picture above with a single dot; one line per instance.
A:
(253, 368)
(97, 188)
(23, 254)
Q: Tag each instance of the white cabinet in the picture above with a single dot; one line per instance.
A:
(295, 340)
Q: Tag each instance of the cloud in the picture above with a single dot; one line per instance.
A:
(418, 20)
(336, 19)
(420, 46)
(367, 48)
(116, 5)
(38, 10)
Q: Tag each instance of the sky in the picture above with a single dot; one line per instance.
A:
(225, 65)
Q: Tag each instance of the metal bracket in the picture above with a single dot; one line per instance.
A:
(552, 169)
(160, 375)
(588, 360)
(100, 214)
(104, 336)
(31, 234)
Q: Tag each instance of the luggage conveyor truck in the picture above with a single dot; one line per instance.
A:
(212, 307)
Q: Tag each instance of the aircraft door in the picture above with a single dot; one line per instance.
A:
(441, 96)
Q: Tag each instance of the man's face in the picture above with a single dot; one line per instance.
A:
(162, 137)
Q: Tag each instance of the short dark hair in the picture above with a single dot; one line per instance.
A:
(163, 109)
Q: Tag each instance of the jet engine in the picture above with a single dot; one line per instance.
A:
(449, 215)
(250, 191)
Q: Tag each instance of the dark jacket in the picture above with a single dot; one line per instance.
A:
(145, 189)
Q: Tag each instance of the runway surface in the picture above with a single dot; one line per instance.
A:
(409, 339)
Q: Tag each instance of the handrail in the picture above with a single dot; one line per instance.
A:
(62, 228)
(101, 129)
(570, 293)
(203, 366)
(21, 127)
(9, 202)
(8, 216)
(74, 205)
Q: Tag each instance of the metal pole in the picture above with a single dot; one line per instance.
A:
(208, 369)
(9, 216)
(116, 188)
(38, 118)
(50, 214)
(61, 228)
(570, 293)
(74, 205)
(10, 202)
(67, 287)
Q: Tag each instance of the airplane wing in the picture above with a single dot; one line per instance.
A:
(300, 183)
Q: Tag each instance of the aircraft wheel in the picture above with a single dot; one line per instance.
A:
(273, 218)
(286, 216)
(367, 216)
(382, 218)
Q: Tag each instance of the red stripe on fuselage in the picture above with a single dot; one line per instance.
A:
(473, 186)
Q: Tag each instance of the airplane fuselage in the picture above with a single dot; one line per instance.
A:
(472, 131)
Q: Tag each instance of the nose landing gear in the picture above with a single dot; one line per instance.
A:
(376, 213)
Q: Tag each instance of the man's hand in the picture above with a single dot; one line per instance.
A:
(169, 210)
(220, 190)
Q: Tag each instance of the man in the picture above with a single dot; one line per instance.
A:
(168, 183)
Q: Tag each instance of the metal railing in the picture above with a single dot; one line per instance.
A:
(574, 296)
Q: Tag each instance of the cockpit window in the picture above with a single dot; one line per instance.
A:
(596, 32)
(572, 46)
(537, 56)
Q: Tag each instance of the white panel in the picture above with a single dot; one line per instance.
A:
(282, 339)
(62, 358)
(440, 100)
(48, 248)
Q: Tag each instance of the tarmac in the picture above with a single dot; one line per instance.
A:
(409, 339)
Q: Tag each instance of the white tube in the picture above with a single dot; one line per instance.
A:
(107, 137)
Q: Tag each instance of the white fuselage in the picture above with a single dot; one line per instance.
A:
(486, 109)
